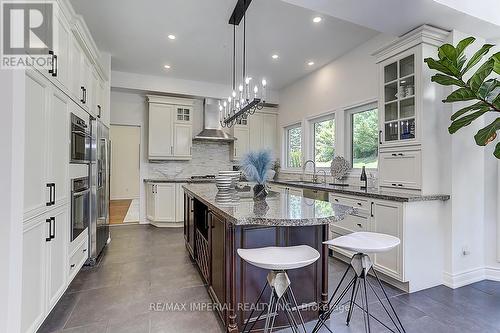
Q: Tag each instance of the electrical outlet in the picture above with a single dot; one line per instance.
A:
(465, 251)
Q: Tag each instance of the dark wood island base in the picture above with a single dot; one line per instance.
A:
(212, 239)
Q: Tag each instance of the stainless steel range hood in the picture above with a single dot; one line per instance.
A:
(212, 131)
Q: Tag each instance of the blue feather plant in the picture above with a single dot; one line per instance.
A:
(256, 166)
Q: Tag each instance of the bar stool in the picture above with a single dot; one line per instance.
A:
(361, 264)
(278, 260)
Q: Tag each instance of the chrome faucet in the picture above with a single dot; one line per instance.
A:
(315, 176)
(324, 176)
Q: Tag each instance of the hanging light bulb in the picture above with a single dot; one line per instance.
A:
(255, 91)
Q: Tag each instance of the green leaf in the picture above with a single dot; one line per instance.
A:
(451, 66)
(475, 106)
(497, 151)
(434, 64)
(446, 80)
(460, 95)
(487, 134)
(496, 102)
(480, 75)
(487, 88)
(462, 45)
(496, 59)
(477, 57)
(447, 51)
(465, 121)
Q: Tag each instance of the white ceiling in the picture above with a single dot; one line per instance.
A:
(135, 34)
(396, 17)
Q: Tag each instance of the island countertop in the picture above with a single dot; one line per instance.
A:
(279, 208)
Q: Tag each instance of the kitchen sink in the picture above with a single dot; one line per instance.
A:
(315, 194)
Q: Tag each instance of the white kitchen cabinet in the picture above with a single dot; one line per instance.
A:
(75, 61)
(161, 143)
(388, 219)
(410, 111)
(401, 169)
(256, 132)
(183, 140)
(170, 129)
(46, 145)
(241, 145)
(33, 301)
(36, 190)
(161, 202)
(56, 255)
(179, 202)
(45, 239)
(62, 33)
(59, 141)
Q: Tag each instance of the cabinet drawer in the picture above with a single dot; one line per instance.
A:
(401, 169)
(351, 223)
(363, 206)
(78, 258)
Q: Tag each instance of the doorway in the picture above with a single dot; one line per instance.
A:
(125, 174)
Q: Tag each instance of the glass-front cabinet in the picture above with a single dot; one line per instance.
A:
(398, 116)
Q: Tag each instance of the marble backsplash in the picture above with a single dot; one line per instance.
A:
(208, 158)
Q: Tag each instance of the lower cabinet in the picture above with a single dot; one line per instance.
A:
(44, 265)
(217, 257)
(376, 216)
(165, 202)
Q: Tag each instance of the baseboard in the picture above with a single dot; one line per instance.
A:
(167, 224)
(471, 276)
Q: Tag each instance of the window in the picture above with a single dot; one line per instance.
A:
(323, 141)
(364, 137)
(294, 146)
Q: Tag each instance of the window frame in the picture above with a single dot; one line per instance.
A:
(312, 139)
(349, 112)
(286, 145)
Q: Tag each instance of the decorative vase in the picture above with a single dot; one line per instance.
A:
(259, 192)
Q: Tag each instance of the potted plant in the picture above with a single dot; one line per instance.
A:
(482, 88)
(256, 166)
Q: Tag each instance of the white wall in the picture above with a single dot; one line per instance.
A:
(11, 198)
(349, 81)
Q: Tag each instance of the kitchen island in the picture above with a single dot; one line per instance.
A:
(216, 225)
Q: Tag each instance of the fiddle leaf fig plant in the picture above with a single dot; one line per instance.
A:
(482, 88)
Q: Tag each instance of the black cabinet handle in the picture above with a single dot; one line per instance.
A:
(72, 265)
(52, 194)
(400, 185)
(83, 94)
(53, 228)
(337, 200)
(55, 65)
(394, 154)
(84, 250)
(51, 71)
(380, 137)
(49, 221)
(360, 225)
(359, 204)
(371, 209)
(401, 154)
(99, 111)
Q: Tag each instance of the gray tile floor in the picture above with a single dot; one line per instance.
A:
(145, 265)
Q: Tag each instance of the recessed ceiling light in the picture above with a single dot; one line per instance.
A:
(310, 63)
(275, 56)
(167, 66)
(317, 19)
(172, 37)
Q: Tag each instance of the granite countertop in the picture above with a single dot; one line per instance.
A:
(178, 180)
(374, 193)
(279, 209)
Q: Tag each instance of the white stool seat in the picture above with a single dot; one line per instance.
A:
(365, 242)
(280, 258)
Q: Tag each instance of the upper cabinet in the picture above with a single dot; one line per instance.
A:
(411, 113)
(398, 112)
(170, 128)
(255, 132)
